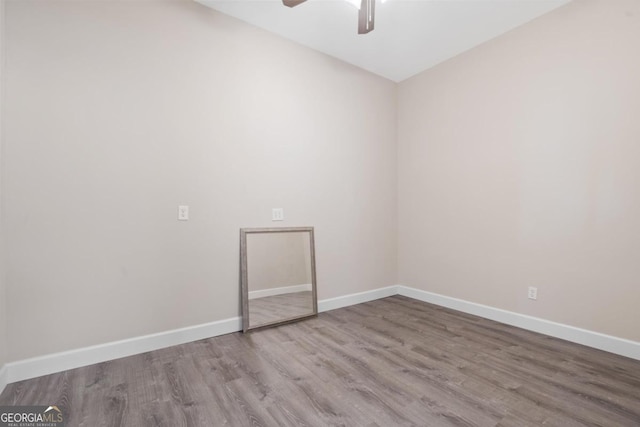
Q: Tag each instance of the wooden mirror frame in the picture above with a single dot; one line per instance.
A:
(244, 277)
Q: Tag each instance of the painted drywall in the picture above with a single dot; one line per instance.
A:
(519, 166)
(3, 302)
(278, 260)
(118, 112)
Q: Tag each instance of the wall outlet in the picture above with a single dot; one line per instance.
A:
(183, 213)
(533, 292)
(277, 214)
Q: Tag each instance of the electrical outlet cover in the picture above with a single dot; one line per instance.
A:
(277, 214)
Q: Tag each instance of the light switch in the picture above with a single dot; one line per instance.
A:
(183, 213)
(277, 214)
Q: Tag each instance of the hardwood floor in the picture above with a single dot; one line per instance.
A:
(390, 362)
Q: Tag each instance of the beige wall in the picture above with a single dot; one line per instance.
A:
(117, 112)
(3, 302)
(519, 165)
(276, 260)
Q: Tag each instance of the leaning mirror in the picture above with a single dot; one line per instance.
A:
(278, 276)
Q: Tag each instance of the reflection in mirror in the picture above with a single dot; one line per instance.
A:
(278, 275)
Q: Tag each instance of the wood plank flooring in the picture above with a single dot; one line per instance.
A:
(390, 362)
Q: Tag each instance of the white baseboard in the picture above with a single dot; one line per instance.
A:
(4, 377)
(57, 362)
(279, 291)
(49, 364)
(353, 299)
(597, 340)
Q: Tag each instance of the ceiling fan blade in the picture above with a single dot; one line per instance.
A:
(366, 16)
(292, 3)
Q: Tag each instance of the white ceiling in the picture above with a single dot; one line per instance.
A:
(410, 35)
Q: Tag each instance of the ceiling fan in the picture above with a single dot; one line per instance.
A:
(366, 15)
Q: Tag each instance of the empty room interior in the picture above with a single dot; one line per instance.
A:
(322, 212)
